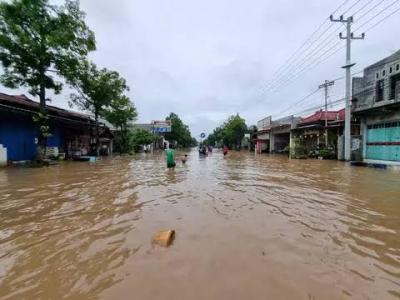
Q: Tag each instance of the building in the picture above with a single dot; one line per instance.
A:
(280, 134)
(310, 132)
(274, 136)
(263, 135)
(72, 133)
(376, 104)
(159, 129)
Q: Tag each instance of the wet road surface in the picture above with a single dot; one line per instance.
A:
(247, 227)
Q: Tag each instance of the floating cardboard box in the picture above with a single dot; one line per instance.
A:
(164, 237)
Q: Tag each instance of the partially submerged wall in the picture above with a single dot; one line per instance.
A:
(3, 156)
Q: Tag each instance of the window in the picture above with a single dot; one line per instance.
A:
(377, 75)
(380, 86)
(394, 86)
(397, 67)
(390, 70)
(383, 72)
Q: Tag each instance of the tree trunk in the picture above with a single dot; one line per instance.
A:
(96, 117)
(42, 140)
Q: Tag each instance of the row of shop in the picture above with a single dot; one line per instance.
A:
(71, 132)
(375, 122)
(303, 137)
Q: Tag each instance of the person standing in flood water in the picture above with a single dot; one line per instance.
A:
(226, 149)
(170, 154)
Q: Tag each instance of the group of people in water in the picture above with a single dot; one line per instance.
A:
(203, 150)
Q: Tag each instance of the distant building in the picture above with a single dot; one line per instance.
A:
(159, 129)
(310, 132)
(72, 133)
(263, 135)
(273, 136)
(376, 103)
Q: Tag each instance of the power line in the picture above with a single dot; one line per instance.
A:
(368, 11)
(300, 101)
(379, 13)
(312, 65)
(382, 20)
(283, 67)
(300, 61)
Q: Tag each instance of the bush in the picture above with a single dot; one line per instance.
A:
(298, 151)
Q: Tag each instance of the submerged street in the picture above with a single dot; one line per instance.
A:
(247, 227)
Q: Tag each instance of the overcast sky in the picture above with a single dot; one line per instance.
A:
(205, 60)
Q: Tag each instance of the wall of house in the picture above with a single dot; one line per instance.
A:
(365, 89)
(3, 156)
(18, 133)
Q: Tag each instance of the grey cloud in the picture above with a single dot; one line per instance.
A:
(208, 59)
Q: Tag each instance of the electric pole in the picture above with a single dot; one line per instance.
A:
(325, 86)
(347, 122)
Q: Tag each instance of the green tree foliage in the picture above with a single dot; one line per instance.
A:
(39, 41)
(96, 91)
(231, 133)
(120, 112)
(140, 137)
(180, 132)
(215, 138)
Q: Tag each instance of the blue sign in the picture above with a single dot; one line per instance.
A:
(161, 130)
(202, 135)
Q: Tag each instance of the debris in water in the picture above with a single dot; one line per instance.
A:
(164, 237)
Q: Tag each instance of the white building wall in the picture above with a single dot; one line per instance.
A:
(3, 156)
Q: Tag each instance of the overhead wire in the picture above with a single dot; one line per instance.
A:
(309, 62)
(378, 14)
(284, 65)
(323, 45)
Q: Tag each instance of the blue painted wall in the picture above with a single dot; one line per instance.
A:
(18, 134)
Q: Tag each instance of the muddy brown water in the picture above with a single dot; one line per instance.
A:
(247, 227)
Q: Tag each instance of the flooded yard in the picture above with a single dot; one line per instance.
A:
(247, 227)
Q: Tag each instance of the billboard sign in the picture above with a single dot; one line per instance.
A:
(264, 124)
(161, 126)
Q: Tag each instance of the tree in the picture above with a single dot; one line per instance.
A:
(141, 137)
(96, 91)
(230, 133)
(180, 132)
(215, 138)
(119, 113)
(234, 130)
(39, 41)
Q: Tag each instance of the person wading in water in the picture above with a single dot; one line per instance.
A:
(226, 149)
(170, 153)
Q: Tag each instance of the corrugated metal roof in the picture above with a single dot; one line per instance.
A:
(22, 101)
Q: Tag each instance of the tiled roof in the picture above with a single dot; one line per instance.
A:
(320, 116)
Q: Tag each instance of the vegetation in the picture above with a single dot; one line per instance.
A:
(101, 93)
(140, 137)
(231, 133)
(120, 113)
(38, 41)
(180, 133)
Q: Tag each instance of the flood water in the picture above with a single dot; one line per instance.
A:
(247, 227)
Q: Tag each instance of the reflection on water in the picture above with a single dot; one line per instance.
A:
(248, 227)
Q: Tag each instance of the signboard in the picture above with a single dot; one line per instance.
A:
(264, 123)
(202, 135)
(161, 126)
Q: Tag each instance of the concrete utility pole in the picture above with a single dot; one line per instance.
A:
(325, 86)
(347, 122)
